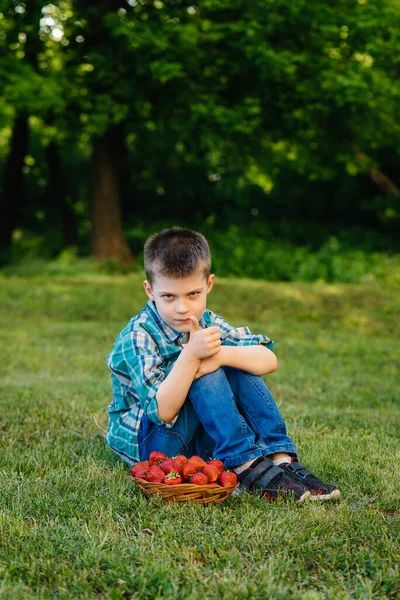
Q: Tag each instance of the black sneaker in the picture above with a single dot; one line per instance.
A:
(318, 489)
(272, 481)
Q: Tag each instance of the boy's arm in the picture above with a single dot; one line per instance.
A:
(173, 391)
(242, 350)
(257, 360)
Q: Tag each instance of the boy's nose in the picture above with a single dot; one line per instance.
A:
(181, 309)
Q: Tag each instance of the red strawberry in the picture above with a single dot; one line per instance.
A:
(217, 463)
(173, 478)
(157, 457)
(198, 462)
(155, 474)
(181, 460)
(211, 472)
(140, 469)
(199, 479)
(169, 465)
(188, 470)
(227, 478)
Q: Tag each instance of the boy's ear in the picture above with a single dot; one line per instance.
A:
(147, 289)
(210, 283)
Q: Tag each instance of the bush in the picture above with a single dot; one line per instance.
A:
(259, 258)
(245, 251)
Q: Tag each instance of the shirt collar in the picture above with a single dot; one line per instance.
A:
(171, 334)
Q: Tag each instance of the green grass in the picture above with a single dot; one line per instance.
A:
(73, 525)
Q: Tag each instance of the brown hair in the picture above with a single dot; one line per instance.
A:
(176, 252)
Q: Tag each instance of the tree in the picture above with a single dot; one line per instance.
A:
(26, 92)
(18, 32)
(98, 55)
(209, 109)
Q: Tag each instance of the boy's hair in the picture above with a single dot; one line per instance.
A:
(176, 252)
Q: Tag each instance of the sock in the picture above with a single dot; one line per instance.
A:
(244, 466)
(282, 460)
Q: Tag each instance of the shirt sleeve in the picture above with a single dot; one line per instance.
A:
(136, 362)
(240, 336)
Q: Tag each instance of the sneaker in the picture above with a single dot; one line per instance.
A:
(272, 481)
(318, 489)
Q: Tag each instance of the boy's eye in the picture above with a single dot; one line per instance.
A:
(170, 296)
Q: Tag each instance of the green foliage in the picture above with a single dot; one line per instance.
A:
(259, 252)
(236, 252)
(283, 108)
(30, 247)
(28, 91)
(73, 525)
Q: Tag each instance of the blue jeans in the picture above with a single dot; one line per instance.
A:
(229, 414)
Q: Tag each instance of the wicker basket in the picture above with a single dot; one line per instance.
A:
(185, 492)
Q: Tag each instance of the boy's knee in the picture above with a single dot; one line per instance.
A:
(234, 372)
(210, 379)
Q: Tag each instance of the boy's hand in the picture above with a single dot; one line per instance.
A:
(208, 365)
(203, 343)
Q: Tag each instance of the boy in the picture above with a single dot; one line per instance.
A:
(185, 381)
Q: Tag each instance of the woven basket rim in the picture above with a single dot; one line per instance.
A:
(185, 487)
(186, 492)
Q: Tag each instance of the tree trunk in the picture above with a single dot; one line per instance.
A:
(108, 240)
(13, 180)
(57, 193)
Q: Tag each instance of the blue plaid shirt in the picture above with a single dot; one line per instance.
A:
(141, 358)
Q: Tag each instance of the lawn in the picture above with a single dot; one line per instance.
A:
(72, 523)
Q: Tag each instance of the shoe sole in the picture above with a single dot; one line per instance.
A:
(334, 495)
(305, 496)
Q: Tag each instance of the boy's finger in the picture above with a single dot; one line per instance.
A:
(214, 329)
(215, 336)
(195, 324)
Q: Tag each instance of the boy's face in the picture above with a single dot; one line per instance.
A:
(178, 298)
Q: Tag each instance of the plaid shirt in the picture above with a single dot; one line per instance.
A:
(140, 360)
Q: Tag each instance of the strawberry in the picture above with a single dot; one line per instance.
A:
(199, 479)
(173, 478)
(198, 462)
(169, 465)
(140, 469)
(217, 463)
(188, 470)
(227, 478)
(211, 472)
(157, 457)
(155, 474)
(181, 460)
